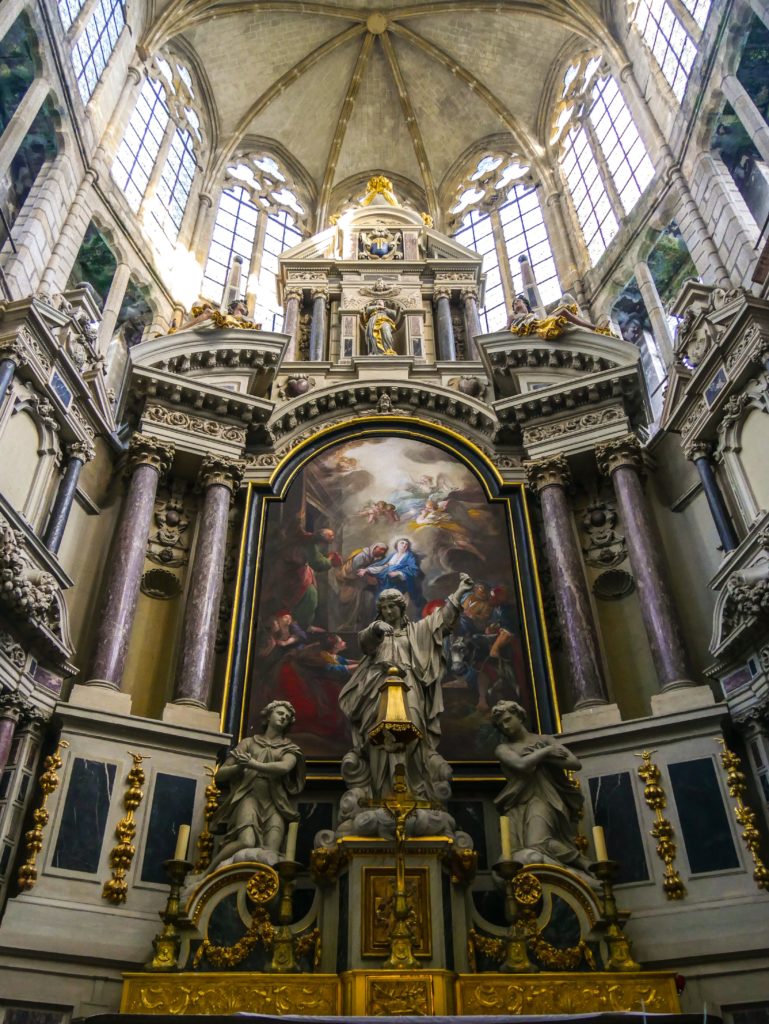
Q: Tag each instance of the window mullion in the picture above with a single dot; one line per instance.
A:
(603, 170)
(505, 275)
(81, 20)
(160, 164)
(256, 260)
(691, 27)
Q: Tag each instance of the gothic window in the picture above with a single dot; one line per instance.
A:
(280, 234)
(233, 239)
(139, 148)
(477, 233)
(94, 47)
(661, 25)
(175, 183)
(603, 159)
(68, 11)
(525, 235)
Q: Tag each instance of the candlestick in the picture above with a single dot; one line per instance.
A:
(599, 842)
(182, 842)
(504, 837)
(293, 832)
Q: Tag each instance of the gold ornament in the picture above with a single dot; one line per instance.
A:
(205, 843)
(116, 888)
(662, 830)
(379, 186)
(746, 818)
(48, 782)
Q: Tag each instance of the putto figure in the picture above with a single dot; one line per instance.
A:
(262, 775)
(540, 801)
(417, 649)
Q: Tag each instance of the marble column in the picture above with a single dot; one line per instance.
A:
(7, 370)
(10, 711)
(622, 460)
(656, 311)
(194, 672)
(318, 326)
(79, 453)
(148, 459)
(291, 299)
(549, 478)
(700, 454)
(472, 321)
(445, 346)
(112, 304)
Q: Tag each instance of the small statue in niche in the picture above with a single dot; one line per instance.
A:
(540, 801)
(381, 323)
(262, 775)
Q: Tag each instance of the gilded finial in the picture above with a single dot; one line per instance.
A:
(379, 186)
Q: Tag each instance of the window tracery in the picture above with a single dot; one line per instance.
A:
(603, 159)
(93, 48)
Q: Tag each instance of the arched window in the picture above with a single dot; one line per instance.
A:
(164, 122)
(603, 159)
(280, 234)
(514, 227)
(232, 242)
(94, 46)
(671, 30)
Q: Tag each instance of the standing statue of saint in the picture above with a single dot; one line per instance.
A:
(416, 648)
(381, 323)
(262, 775)
(540, 801)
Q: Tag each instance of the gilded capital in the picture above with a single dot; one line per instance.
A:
(550, 472)
(224, 472)
(144, 450)
(81, 449)
(698, 450)
(625, 452)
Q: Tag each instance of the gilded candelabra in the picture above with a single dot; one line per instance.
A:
(662, 830)
(745, 816)
(116, 888)
(167, 942)
(522, 893)
(283, 942)
(48, 782)
(620, 957)
(205, 843)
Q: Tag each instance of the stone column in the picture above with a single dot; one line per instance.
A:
(194, 672)
(10, 711)
(699, 453)
(318, 326)
(751, 117)
(112, 304)
(21, 121)
(445, 346)
(472, 321)
(291, 299)
(148, 459)
(79, 453)
(549, 478)
(656, 311)
(11, 354)
(622, 460)
(70, 238)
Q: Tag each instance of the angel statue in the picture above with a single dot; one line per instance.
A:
(381, 322)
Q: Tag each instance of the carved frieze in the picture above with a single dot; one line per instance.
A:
(573, 425)
(194, 424)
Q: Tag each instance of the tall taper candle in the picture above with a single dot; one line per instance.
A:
(182, 842)
(599, 842)
(504, 838)
(293, 832)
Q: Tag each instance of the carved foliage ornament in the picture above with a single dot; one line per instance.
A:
(550, 472)
(624, 453)
(144, 450)
(223, 472)
(25, 591)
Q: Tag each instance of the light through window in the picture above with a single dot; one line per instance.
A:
(94, 47)
(668, 41)
(280, 235)
(234, 234)
(476, 233)
(175, 184)
(588, 193)
(524, 232)
(68, 11)
(626, 156)
(139, 148)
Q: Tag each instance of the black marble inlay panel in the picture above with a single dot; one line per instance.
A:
(701, 811)
(84, 819)
(172, 803)
(614, 808)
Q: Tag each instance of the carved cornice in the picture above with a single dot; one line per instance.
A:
(195, 397)
(223, 472)
(83, 450)
(624, 453)
(161, 414)
(144, 450)
(550, 472)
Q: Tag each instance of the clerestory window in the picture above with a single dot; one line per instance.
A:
(93, 48)
(671, 29)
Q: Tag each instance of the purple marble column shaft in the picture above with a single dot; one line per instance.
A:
(113, 630)
(195, 668)
(575, 616)
(8, 720)
(472, 322)
(647, 562)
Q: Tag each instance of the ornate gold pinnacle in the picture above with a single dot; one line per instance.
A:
(662, 830)
(205, 843)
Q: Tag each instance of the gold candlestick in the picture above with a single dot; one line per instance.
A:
(167, 942)
(283, 954)
(517, 960)
(620, 958)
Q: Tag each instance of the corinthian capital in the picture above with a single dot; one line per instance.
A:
(441, 293)
(698, 450)
(550, 472)
(469, 294)
(624, 453)
(292, 293)
(14, 347)
(320, 293)
(224, 472)
(145, 450)
(81, 449)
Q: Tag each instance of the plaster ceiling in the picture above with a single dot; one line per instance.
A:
(344, 90)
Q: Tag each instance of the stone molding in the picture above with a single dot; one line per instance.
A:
(551, 472)
(145, 450)
(194, 424)
(573, 425)
(626, 452)
(215, 471)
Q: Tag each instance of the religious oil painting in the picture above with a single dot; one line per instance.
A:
(369, 515)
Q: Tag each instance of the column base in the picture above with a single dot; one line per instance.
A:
(192, 717)
(682, 698)
(599, 716)
(101, 695)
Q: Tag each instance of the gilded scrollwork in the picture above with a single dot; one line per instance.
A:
(229, 993)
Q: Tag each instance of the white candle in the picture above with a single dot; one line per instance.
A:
(293, 832)
(182, 842)
(599, 842)
(504, 838)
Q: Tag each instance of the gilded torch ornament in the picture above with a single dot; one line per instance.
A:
(662, 830)
(116, 888)
(744, 815)
(48, 782)
(205, 843)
